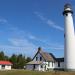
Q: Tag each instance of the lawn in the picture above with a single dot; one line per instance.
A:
(23, 72)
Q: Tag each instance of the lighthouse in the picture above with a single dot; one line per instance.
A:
(69, 39)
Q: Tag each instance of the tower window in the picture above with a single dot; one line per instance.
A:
(66, 14)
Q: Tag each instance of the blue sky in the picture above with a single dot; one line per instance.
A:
(26, 25)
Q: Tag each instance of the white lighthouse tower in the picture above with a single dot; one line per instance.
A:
(69, 42)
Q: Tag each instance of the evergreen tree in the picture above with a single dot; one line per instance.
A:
(13, 59)
(21, 61)
(18, 61)
(6, 58)
(2, 57)
(28, 59)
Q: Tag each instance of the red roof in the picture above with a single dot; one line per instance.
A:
(5, 63)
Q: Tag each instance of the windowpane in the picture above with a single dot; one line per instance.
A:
(40, 58)
(36, 58)
(48, 63)
(3, 66)
(52, 64)
(58, 64)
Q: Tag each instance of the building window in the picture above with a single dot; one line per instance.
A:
(52, 64)
(36, 58)
(40, 58)
(34, 67)
(41, 66)
(48, 63)
(3, 66)
(58, 64)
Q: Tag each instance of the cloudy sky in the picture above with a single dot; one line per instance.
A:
(26, 25)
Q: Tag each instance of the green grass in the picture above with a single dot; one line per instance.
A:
(24, 72)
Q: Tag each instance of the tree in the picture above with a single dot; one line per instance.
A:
(18, 61)
(2, 57)
(6, 57)
(21, 61)
(13, 59)
(28, 59)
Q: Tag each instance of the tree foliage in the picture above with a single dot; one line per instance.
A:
(28, 59)
(2, 57)
(18, 61)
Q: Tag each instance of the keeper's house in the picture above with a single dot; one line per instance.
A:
(43, 61)
(5, 65)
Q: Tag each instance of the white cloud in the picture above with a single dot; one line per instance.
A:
(49, 22)
(59, 47)
(9, 49)
(45, 43)
(21, 42)
(32, 37)
(17, 41)
(14, 48)
(18, 46)
(39, 15)
(52, 24)
(3, 21)
(55, 46)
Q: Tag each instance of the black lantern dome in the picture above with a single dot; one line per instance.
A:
(67, 9)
